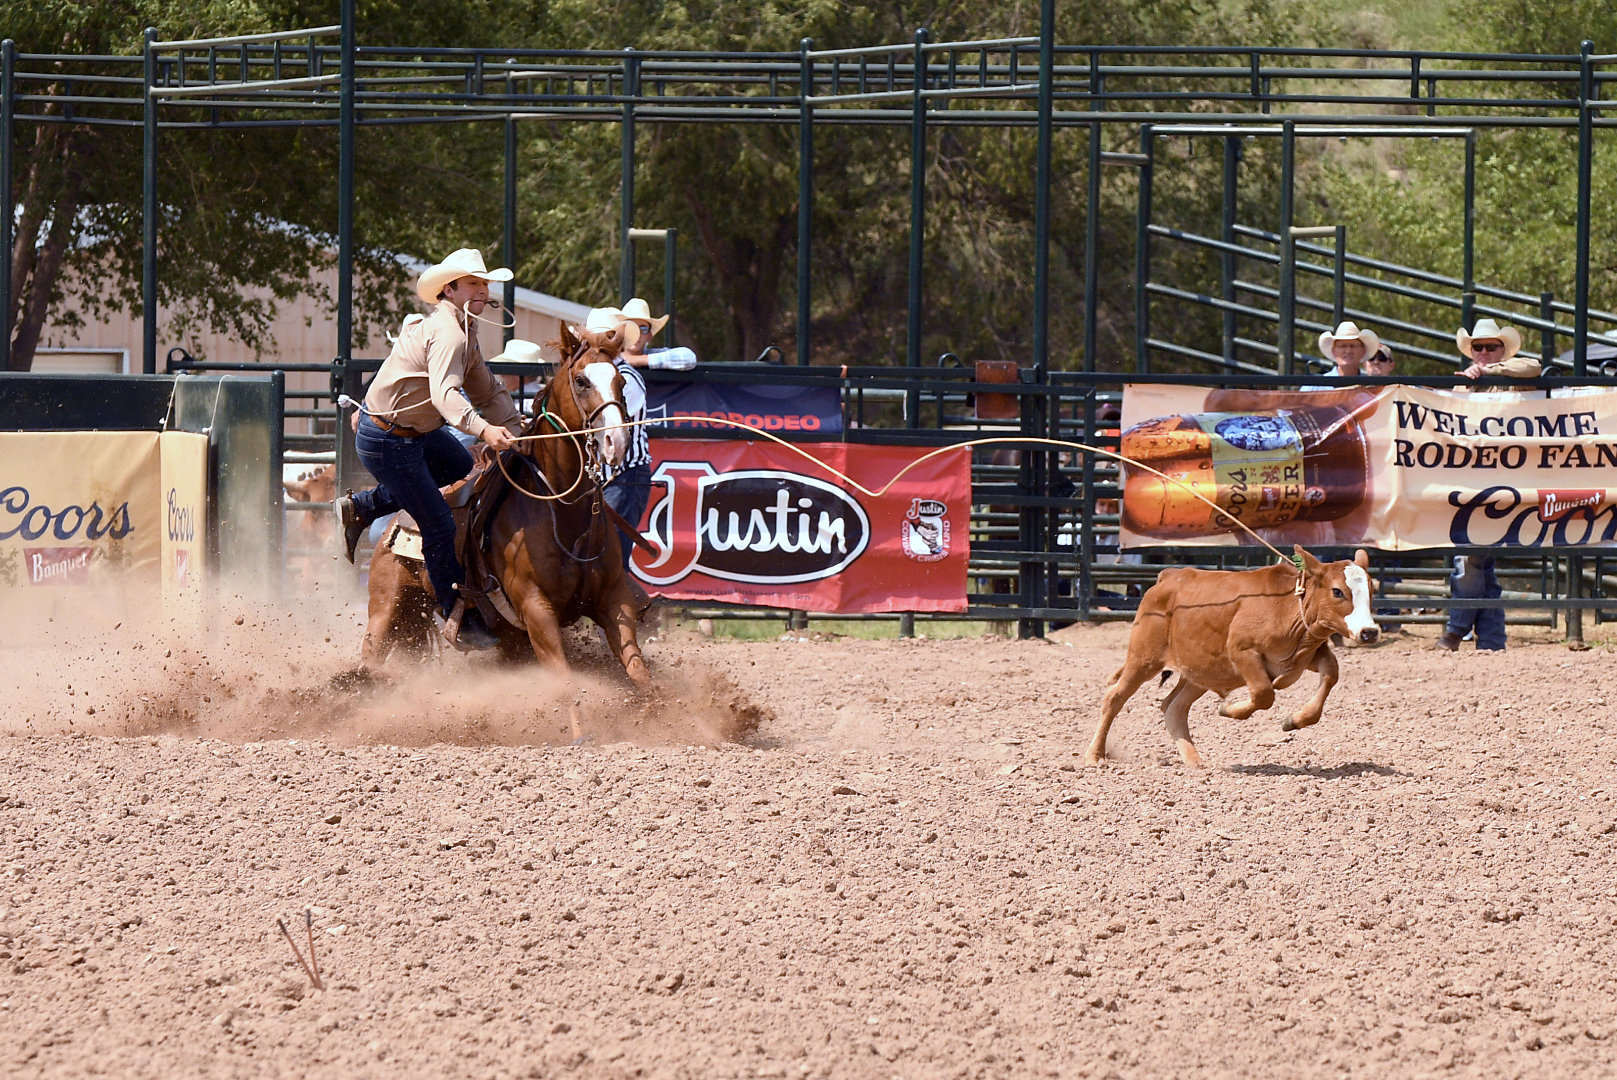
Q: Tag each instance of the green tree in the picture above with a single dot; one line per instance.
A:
(246, 215)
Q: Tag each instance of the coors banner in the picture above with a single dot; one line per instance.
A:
(755, 523)
(1396, 467)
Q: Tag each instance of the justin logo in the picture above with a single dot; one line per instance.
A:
(58, 565)
(926, 530)
(1558, 504)
(762, 526)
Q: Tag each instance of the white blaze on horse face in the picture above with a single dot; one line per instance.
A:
(1359, 619)
(613, 443)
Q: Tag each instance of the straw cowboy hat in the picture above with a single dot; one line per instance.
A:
(465, 262)
(604, 320)
(520, 352)
(1349, 331)
(1488, 330)
(640, 311)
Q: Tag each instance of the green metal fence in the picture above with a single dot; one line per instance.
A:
(324, 76)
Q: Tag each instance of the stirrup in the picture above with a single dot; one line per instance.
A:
(464, 636)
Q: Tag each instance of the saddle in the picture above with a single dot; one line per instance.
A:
(472, 502)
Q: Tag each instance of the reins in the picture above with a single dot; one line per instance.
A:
(586, 452)
(588, 465)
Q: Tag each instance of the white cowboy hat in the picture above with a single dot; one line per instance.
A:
(521, 352)
(1488, 330)
(604, 320)
(465, 262)
(640, 311)
(1349, 331)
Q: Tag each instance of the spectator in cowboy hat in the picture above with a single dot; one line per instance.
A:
(434, 381)
(1492, 349)
(1346, 347)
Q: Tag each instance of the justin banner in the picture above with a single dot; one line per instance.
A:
(1395, 468)
(754, 523)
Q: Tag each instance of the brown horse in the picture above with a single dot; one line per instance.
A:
(554, 556)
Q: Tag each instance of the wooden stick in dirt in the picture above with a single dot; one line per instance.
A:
(308, 926)
(296, 953)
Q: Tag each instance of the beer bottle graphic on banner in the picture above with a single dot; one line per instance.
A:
(1261, 469)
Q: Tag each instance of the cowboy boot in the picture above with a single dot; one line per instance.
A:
(348, 518)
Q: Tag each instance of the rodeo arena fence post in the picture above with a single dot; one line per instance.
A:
(1040, 534)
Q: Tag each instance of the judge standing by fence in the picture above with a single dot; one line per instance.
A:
(630, 489)
(1491, 350)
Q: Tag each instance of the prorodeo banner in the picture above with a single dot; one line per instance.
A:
(695, 408)
(754, 523)
(1395, 468)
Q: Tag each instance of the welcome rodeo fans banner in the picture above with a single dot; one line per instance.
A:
(100, 514)
(754, 523)
(1394, 468)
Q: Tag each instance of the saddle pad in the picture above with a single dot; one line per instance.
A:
(405, 540)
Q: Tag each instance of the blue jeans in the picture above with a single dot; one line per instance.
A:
(1387, 617)
(408, 474)
(1473, 578)
(628, 494)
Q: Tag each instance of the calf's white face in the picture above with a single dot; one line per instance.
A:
(1360, 622)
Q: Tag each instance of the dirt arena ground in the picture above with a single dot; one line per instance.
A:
(816, 858)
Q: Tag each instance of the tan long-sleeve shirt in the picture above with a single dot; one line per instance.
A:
(1517, 367)
(436, 373)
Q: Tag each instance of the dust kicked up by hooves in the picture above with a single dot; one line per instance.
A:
(254, 671)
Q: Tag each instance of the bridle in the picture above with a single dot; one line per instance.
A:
(591, 464)
(589, 453)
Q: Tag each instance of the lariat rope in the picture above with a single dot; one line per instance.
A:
(1294, 560)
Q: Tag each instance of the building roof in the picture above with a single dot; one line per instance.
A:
(526, 299)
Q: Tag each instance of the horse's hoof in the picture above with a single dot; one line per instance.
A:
(352, 679)
(1288, 724)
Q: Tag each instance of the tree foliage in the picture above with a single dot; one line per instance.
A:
(249, 215)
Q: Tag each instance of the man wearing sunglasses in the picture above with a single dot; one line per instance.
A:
(1492, 349)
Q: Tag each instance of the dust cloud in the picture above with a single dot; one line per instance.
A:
(257, 668)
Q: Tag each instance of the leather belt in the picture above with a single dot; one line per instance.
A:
(393, 429)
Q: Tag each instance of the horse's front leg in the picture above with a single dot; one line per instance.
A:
(544, 631)
(619, 621)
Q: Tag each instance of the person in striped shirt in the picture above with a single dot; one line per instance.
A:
(630, 489)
